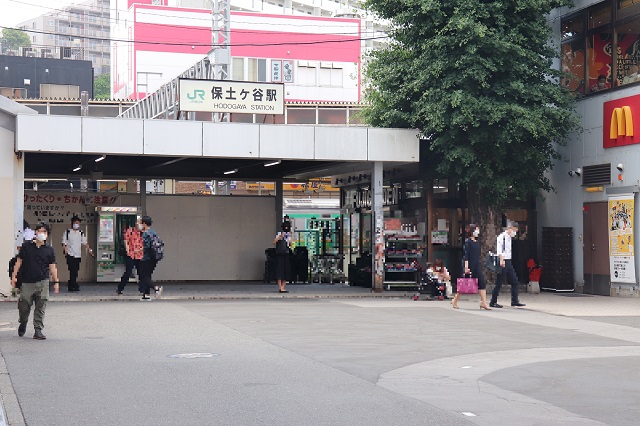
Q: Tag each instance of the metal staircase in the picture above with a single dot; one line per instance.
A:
(163, 103)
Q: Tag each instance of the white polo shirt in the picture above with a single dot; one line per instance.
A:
(74, 240)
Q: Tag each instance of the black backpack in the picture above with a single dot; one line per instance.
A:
(157, 248)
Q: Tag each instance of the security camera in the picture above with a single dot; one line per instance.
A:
(578, 171)
(570, 172)
(620, 167)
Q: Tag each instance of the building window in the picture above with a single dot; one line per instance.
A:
(148, 81)
(237, 69)
(598, 51)
(256, 69)
(306, 74)
(329, 76)
(336, 116)
(301, 116)
(628, 8)
(628, 49)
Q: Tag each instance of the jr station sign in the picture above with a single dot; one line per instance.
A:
(237, 97)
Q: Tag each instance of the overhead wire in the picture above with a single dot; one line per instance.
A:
(167, 43)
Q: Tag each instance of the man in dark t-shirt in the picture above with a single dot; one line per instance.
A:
(37, 261)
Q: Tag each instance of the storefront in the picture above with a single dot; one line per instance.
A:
(597, 185)
(423, 221)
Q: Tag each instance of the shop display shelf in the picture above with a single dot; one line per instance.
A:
(406, 285)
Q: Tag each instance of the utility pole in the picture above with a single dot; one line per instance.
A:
(220, 54)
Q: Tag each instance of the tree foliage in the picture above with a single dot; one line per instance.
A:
(102, 87)
(476, 78)
(13, 39)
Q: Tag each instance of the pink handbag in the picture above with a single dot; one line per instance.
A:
(467, 285)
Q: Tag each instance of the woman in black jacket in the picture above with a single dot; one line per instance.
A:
(473, 266)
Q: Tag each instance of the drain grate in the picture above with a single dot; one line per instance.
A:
(574, 295)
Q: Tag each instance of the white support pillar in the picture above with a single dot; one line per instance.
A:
(143, 196)
(377, 227)
(12, 190)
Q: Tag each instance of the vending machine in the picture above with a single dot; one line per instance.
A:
(110, 254)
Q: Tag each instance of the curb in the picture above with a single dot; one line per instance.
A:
(223, 297)
(10, 410)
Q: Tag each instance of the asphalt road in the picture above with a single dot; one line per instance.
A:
(317, 362)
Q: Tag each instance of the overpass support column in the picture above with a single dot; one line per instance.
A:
(279, 204)
(143, 195)
(12, 190)
(377, 227)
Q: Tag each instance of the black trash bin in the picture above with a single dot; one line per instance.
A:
(301, 264)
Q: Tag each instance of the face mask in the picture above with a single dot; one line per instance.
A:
(476, 232)
(42, 237)
(76, 226)
(140, 227)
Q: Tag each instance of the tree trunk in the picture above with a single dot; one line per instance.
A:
(489, 220)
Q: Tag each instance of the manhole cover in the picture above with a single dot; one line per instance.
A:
(194, 355)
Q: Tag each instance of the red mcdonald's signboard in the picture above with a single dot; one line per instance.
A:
(621, 122)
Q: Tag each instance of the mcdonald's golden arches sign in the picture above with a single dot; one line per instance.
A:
(621, 122)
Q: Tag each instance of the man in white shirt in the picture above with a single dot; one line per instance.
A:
(72, 241)
(503, 249)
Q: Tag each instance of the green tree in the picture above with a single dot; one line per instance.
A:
(102, 87)
(13, 39)
(476, 78)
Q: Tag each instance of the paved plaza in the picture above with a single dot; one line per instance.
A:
(321, 355)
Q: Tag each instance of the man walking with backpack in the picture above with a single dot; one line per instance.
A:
(72, 241)
(153, 253)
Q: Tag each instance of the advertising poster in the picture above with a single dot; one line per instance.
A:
(621, 240)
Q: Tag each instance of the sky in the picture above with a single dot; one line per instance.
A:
(13, 12)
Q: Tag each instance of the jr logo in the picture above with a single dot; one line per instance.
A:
(197, 94)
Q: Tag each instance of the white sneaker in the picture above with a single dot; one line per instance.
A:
(159, 292)
(145, 298)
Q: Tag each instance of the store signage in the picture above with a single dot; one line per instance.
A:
(276, 71)
(620, 121)
(594, 189)
(362, 198)
(621, 239)
(287, 71)
(231, 96)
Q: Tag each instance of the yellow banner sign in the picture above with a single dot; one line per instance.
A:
(313, 186)
(621, 226)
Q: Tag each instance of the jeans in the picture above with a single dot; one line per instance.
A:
(31, 293)
(512, 278)
(128, 272)
(73, 263)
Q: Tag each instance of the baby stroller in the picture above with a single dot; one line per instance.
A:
(428, 284)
